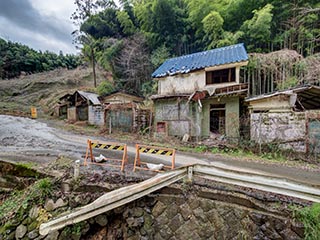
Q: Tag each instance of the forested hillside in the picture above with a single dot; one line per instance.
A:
(16, 58)
(132, 39)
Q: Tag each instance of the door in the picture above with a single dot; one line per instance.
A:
(218, 118)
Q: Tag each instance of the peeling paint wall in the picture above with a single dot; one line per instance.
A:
(185, 118)
(285, 128)
(182, 83)
(96, 115)
(275, 103)
(191, 82)
(176, 113)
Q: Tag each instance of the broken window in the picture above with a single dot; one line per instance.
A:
(221, 76)
(217, 118)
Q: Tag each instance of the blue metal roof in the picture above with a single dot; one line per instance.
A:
(200, 60)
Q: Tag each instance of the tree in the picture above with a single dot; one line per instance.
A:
(302, 30)
(89, 52)
(132, 65)
(105, 88)
(257, 31)
(17, 58)
(159, 55)
(126, 23)
(164, 22)
(212, 26)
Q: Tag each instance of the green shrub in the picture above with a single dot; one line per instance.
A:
(310, 217)
(105, 87)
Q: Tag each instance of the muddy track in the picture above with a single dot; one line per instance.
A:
(24, 139)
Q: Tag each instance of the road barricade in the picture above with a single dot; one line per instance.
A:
(144, 149)
(105, 161)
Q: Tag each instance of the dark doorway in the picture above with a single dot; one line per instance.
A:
(218, 118)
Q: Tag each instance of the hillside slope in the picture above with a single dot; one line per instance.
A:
(43, 90)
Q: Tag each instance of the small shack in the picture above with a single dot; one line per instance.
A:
(125, 112)
(61, 108)
(290, 118)
(85, 106)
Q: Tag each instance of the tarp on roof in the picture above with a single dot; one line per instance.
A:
(200, 60)
(92, 97)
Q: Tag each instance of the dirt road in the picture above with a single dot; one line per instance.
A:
(23, 139)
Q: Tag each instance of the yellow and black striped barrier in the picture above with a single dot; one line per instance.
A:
(152, 150)
(144, 149)
(106, 146)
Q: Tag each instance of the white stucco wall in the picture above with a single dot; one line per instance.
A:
(96, 115)
(191, 82)
(182, 83)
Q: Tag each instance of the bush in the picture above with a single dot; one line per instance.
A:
(310, 217)
(105, 88)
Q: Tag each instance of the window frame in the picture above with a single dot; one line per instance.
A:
(221, 76)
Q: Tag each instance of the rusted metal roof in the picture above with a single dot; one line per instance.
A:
(92, 97)
(201, 60)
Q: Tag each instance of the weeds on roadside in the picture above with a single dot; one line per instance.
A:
(201, 149)
(19, 201)
(310, 217)
(27, 165)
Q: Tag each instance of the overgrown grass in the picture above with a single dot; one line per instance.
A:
(20, 201)
(310, 217)
(27, 165)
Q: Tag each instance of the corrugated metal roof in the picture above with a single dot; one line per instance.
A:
(200, 60)
(91, 97)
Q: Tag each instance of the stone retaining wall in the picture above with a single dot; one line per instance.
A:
(200, 215)
(179, 212)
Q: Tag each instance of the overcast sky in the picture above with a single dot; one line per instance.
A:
(39, 24)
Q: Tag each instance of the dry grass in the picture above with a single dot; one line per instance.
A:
(43, 90)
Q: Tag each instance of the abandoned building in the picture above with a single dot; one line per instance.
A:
(125, 112)
(61, 108)
(85, 106)
(200, 93)
(290, 118)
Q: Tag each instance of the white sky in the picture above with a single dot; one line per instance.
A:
(39, 24)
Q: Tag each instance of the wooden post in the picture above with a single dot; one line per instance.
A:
(150, 122)
(125, 158)
(110, 125)
(87, 153)
(173, 159)
(137, 158)
(90, 148)
(260, 133)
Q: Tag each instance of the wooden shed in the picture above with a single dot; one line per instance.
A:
(125, 112)
(85, 106)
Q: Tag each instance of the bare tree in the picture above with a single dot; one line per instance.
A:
(134, 64)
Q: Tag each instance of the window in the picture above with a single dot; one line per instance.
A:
(221, 76)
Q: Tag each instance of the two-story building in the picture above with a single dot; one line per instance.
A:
(201, 93)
